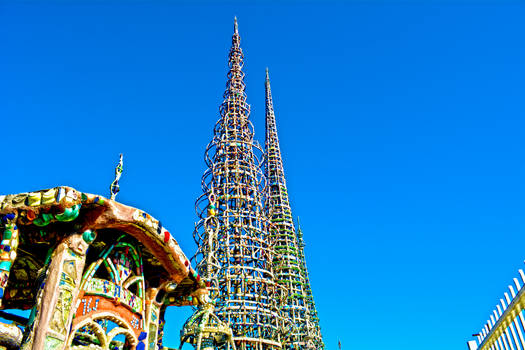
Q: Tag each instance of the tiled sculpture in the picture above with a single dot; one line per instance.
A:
(96, 274)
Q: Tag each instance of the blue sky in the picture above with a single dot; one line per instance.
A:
(401, 126)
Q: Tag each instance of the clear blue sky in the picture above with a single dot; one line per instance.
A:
(401, 126)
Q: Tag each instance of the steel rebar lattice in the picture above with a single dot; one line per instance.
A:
(234, 249)
(289, 261)
(314, 328)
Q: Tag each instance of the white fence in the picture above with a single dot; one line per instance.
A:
(505, 328)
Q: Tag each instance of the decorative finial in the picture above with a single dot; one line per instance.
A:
(115, 188)
(235, 26)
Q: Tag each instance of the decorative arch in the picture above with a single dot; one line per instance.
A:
(93, 333)
(111, 300)
(118, 273)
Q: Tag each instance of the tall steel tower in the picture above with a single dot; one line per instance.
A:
(289, 263)
(235, 253)
(314, 329)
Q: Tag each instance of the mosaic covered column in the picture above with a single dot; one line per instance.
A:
(8, 247)
(52, 316)
(154, 315)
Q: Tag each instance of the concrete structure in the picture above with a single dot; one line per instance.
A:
(96, 274)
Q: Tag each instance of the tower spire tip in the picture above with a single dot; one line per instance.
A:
(115, 187)
(235, 25)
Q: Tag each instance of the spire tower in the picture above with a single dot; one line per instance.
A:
(289, 263)
(234, 254)
(313, 327)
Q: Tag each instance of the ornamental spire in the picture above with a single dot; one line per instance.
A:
(274, 169)
(290, 269)
(114, 188)
(314, 338)
(234, 253)
(235, 86)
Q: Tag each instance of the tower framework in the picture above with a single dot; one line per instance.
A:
(235, 253)
(291, 274)
(314, 328)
